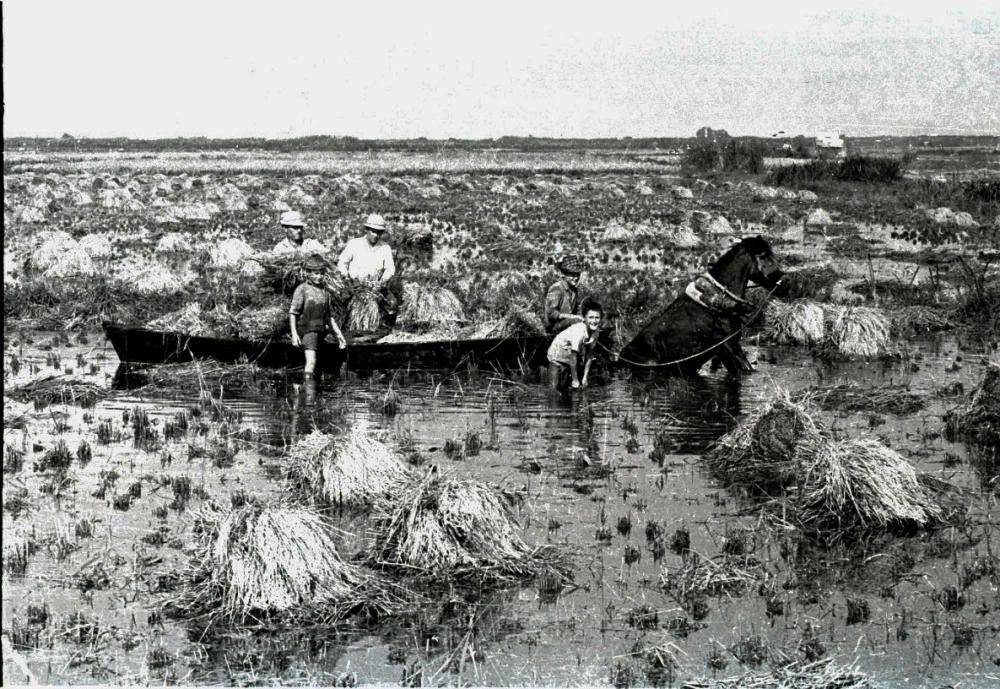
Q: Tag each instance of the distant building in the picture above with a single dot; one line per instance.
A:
(714, 135)
(829, 145)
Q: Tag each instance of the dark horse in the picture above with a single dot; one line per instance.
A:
(689, 332)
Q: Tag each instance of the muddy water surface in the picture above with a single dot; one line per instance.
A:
(583, 464)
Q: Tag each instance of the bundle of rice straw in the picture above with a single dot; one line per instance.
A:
(230, 253)
(189, 320)
(429, 306)
(259, 560)
(145, 277)
(72, 262)
(261, 322)
(436, 335)
(858, 331)
(353, 469)
(58, 390)
(51, 246)
(364, 314)
(860, 482)
(518, 320)
(761, 452)
(615, 231)
(681, 236)
(821, 674)
(173, 242)
(919, 319)
(892, 399)
(978, 417)
(443, 526)
(798, 322)
(96, 245)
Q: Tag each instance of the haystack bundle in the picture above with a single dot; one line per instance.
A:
(353, 469)
(978, 417)
(443, 526)
(51, 246)
(500, 290)
(260, 560)
(230, 253)
(614, 231)
(761, 452)
(435, 335)
(189, 320)
(429, 306)
(857, 331)
(681, 236)
(146, 277)
(96, 245)
(861, 482)
(173, 242)
(798, 322)
(262, 322)
(71, 263)
(516, 320)
(364, 315)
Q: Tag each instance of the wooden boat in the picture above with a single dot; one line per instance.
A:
(141, 346)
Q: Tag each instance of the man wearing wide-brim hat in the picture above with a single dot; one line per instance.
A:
(562, 300)
(295, 242)
(368, 259)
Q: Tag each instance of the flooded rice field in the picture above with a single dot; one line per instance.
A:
(613, 477)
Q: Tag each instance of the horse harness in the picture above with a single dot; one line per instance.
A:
(710, 294)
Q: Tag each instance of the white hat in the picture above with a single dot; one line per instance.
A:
(292, 219)
(376, 222)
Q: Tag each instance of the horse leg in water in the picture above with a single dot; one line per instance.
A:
(734, 358)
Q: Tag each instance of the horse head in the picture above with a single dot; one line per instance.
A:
(765, 270)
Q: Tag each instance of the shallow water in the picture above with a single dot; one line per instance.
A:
(548, 448)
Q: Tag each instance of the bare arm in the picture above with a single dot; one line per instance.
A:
(341, 340)
(344, 262)
(295, 331)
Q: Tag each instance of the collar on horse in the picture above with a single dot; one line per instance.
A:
(709, 293)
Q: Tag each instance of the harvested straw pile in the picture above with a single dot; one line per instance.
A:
(436, 335)
(861, 482)
(681, 236)
(978, 417)
(58, 390)
(427, 306)
(144, 277)
(761, 451)
(822, 674)
(255, 561)
(230, 253)
(173, 243)
(441, 526)
(189, 320)
(364, 315)
(51, 246)
(857, 331)
(800, 322)
(262, 322)
(198, 375)
(72, 263)
(718, 576)
(919, 319)
(893, 399)
(354, 469)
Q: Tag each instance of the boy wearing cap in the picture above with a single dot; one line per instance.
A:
(311, 311)
(562, 299)
(295, 241)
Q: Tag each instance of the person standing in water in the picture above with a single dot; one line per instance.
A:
(311, 312)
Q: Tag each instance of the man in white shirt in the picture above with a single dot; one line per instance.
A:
(294, 241)
(369, 259)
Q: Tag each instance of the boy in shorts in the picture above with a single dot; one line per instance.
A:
(312, 310)
(573, 346)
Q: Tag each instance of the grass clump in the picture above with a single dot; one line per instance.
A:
(354, 469)
(867, 169)
(978, 417)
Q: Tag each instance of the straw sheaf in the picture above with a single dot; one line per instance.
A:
(429, 306)
(364, 315)
(255, 560)
(857, 331)
(800, 322)
(354, 469)
(861, 480)
(230, 253)
(447, 527)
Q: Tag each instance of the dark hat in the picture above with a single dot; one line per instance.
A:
(314, 262)
(570, 264)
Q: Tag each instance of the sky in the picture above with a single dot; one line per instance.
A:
(443, 69)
